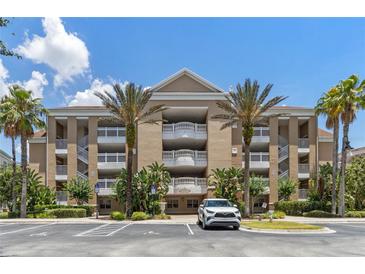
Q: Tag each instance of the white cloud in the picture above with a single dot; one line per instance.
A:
(87, 97)
(4, 75)
(63, 51)
(36, 83)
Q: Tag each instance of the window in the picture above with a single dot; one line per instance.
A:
(105, 204)
(172, 203)
(192, 203)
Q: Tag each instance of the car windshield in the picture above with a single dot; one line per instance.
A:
(218, 203)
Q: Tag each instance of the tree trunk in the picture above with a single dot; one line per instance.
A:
(334, 164)
(341, 204)
(128, 205)
(13, 194)
(246, 181)
(23, 206)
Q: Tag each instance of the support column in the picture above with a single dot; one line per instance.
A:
(71, 148)
(93, 155)
(293, 152)
(312, 135)
(274, 160)
(51, 152)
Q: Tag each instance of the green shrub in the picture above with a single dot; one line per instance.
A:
(89, 209)
(355, 214)
(3, 215)
(275, 215)
(297, 208)
(117, 215)
(162, 216)
(12, 215)
(319, 214)
(138, 216)
(66, 213)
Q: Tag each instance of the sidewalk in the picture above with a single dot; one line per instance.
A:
(175, 219)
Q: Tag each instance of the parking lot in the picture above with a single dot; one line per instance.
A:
(131, 239)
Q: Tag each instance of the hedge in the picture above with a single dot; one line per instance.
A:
(66, 213)
(355, 214)
(89, 209)
(319, 214)
(138, 216)
(117, 215)
(297, 208)
(3, 215)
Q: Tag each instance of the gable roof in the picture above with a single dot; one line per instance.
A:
(192, 75)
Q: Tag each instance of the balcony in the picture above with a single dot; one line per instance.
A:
(187, 185)
(303, 194)
(106, 187)
(258, 160)
(61, 173)
(303, 145)
(303, 171)
(61, 197)
(111, 135)
(184, 134)
(185, 160)
(111, 161)
(261, 136)
(61, 146)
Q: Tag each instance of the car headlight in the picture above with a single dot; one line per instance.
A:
(210, 212)
(237, 212)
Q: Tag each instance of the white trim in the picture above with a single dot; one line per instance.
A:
(187, 96)
(37, 140)
(325, 139)
(188, 72)
(61, 118)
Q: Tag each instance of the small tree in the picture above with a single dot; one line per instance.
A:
(227, 182)
(79, 190)
(355, 184)
(37, 193)
(286, 189)
(257, 188)
(9, 184)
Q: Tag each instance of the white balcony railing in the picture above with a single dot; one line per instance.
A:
(61, 169)
(303, 143)
(184, 157)
(258, 160)
(303, 168)
(111, 157)
(188, 185)
(61, 197)
(184, 130)
(111, 131)
(106, 186)
(61, 143)
(303, 194)
(260, 135)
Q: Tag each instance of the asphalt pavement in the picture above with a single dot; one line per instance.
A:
(131, 239)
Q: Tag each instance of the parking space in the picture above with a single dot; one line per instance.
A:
(133, 239)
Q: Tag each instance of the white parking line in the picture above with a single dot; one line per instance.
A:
(191, 232)
(91, 230)
(115, 231)
(24, 229)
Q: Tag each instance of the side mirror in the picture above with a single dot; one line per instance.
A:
(235, 206)
(201, 205)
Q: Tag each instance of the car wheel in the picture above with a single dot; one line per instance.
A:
(236, 227)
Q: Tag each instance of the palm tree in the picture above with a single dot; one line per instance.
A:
(351, 99)
(246, 106)
(328, 105)
(127, 106)
(8, 124)
(27, 112)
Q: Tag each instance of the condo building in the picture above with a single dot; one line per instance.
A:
(79, 141)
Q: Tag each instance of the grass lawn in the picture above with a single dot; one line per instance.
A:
(279, 225)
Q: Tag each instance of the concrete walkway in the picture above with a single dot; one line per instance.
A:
(177, 219)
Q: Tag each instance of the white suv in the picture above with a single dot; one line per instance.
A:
(218, 212)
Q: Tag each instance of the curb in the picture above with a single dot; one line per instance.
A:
(324, 230)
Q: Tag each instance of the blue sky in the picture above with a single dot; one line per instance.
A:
(301, 57)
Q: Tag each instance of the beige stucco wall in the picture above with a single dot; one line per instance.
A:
(312, 134)
(51, 152)
(38, 159)
(71, 147)
(293, 152)
(93, 154)
(184, 84)
(273, 158)
(325, 152)
(237, 143)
